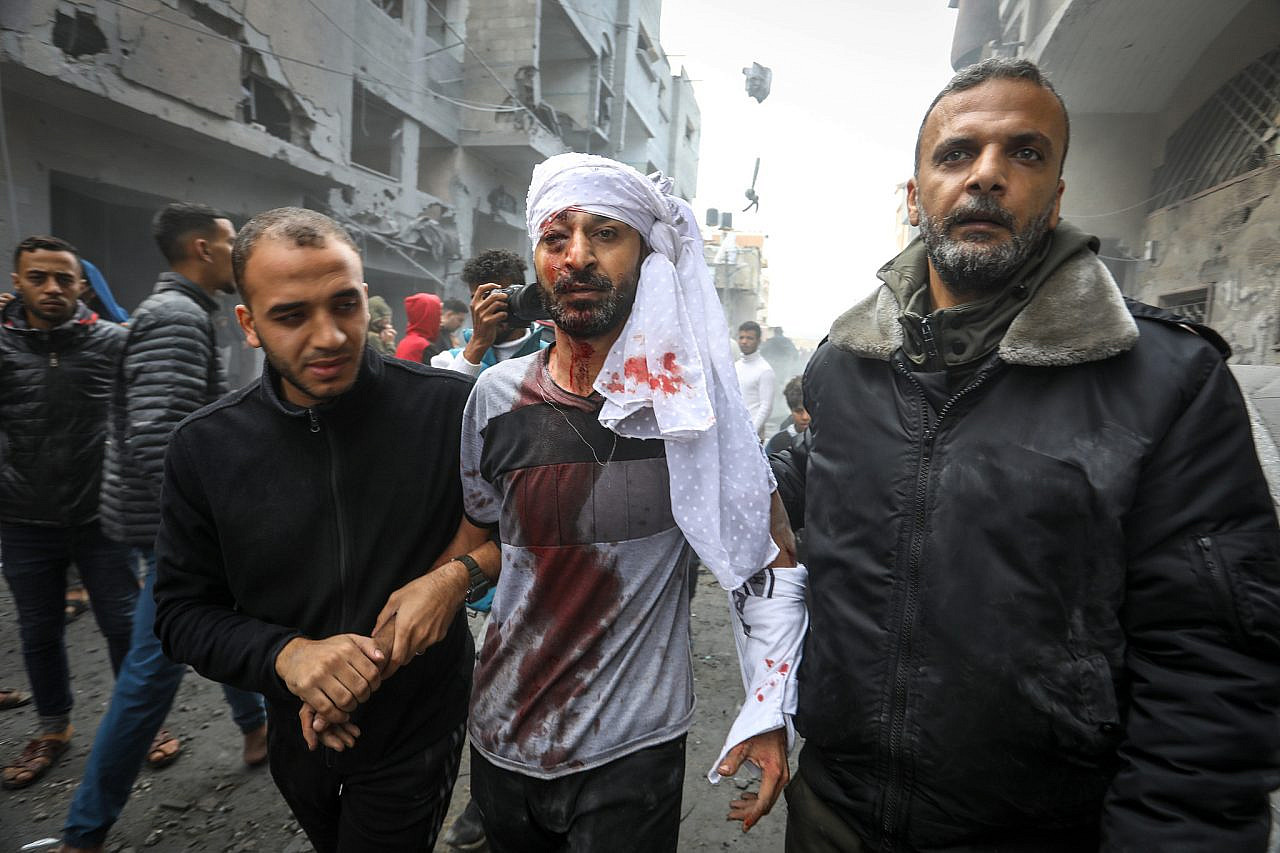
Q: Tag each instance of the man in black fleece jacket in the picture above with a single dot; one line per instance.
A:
(310, 512)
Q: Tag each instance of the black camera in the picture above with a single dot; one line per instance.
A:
(524, 304)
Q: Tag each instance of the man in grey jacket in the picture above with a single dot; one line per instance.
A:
(170, 368)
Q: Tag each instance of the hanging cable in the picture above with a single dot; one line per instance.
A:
(393, 245)
(486, 67)
(1130, 207)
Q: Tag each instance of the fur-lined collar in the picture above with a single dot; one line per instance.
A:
(1077, 315)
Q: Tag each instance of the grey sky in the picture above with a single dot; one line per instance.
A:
(851, 81)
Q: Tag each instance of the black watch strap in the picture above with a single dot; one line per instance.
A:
(478, 584)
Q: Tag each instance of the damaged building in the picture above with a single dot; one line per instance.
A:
(416, 123)
(1175, 144)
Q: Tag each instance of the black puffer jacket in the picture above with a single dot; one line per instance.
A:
(1046, 613)
(170, 369)
(54, 388)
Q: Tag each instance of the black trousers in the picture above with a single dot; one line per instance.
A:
(396, 806)
(631, 805)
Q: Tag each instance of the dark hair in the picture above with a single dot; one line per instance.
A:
(41, 241)
(750, 326)
(793, 393)
(497, 265)
(457, 306)
(306, 228)
(173, 223)
(996, 68)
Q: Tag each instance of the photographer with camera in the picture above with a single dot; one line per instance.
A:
(498, 332)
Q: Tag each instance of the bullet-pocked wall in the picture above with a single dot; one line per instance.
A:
(417, 124)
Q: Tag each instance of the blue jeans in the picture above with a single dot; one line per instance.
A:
(35, 565)
(143, 695)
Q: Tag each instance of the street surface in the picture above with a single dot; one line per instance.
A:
(209, 801)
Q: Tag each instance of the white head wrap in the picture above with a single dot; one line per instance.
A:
(670, 373)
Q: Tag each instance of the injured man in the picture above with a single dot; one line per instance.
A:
(606, 462)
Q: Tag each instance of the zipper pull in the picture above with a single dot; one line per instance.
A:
(53, 359)
(930, 343)
(315, 420)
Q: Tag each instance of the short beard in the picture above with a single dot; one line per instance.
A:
(52, 319)
(605, 316)
(320, 395)
(974, 268)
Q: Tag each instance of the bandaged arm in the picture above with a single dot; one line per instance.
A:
(769, 622)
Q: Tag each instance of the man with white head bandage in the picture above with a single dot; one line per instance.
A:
(605, 461)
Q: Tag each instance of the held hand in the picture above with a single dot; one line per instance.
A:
(333, 675)
(419, 613)
(488, 316)
(783, 536)
(317, 731)
(768, 751)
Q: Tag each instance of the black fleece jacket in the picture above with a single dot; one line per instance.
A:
(278, 521)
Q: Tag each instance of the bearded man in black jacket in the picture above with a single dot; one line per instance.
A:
(286, 567)
(1044, 565)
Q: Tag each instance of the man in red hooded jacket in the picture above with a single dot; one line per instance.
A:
(423, 310)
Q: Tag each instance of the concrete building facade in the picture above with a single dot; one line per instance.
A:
(739, 269)
(1175, 144)
(417, 123)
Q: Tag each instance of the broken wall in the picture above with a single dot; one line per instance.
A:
(1226, 241)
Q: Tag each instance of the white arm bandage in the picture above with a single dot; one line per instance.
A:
(769, 623)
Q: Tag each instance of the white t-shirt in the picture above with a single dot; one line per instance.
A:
(755, 378)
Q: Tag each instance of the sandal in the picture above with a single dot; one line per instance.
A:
(13, 698)
(75, 606)
(39, 755)
(160, 755)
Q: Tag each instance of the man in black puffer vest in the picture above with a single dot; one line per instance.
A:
(1044, 567)
(57, 360)
(169, 369)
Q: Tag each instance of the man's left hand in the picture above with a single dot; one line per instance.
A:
(422, 611)
(317, 731)
(768, 751)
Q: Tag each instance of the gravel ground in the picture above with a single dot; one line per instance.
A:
(209, 801)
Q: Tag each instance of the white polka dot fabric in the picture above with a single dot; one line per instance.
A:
(670, 374)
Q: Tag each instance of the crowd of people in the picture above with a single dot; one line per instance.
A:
(1038, 605)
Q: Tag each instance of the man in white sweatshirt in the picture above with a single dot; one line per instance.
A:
(755, 376)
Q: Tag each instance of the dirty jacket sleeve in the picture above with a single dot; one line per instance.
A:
(196, 618)
(1202, 623)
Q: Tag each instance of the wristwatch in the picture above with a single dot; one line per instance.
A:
(479, 584)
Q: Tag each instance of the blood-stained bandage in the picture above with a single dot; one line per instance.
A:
(670, 375)
(769, 623)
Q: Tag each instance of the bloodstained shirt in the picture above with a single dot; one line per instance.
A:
(587, 657)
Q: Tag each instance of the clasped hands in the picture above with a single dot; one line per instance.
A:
(335, 675)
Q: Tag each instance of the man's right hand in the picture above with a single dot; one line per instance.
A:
(333, 675)
(488, 318)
